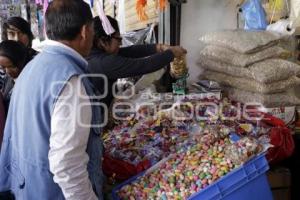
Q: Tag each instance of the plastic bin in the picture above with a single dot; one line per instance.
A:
(247, 182)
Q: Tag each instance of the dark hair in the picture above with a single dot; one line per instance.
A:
(65, 18)
(16, 52)
(99, 30)
(20, 24)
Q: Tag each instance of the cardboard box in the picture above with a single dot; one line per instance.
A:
(280, 183)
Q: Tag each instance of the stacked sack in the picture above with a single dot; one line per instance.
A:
(250, 67)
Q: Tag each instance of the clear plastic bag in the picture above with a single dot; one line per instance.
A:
(144, 36)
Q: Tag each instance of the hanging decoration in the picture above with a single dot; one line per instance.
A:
(161, 4)
(141, 9)
(113, 2)
(105, 22)
(121, 16)
(38, 2)
(43, 3)
(92, 3)
(45, 6)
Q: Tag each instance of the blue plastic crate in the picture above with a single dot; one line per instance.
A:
(247, 182)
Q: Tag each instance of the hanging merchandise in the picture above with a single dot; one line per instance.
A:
(43, 3)
(34, 23)
(40, 15)
(143, 36)
(254, 14)
(177, 2)
(105, 22)
(24, 13)
(161, 4)
(276, 10)
(121, 16)
(45, 6)
(38, 2)
(40, 19)
(295, 13)
(282, 27)
(140, 9)
(114, 2)
(7, 9)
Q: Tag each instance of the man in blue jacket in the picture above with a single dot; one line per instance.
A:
(52, 148)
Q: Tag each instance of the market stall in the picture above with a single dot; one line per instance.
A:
(162, 155)
(209, 135)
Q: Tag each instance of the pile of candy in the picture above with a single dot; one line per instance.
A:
(152, 139)
(148, 140)
(190, 171)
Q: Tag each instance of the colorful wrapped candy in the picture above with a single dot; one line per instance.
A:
(184, 173)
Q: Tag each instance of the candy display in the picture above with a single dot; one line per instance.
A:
(189, 171)
(242, 150)
(250, 84)
(156, 136)
(151, 139)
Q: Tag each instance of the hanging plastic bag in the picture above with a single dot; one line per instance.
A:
(282, 27)
(121, 16)
(143, 36)
(276, 10)
(254, 14)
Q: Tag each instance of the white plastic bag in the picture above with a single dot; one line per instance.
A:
(281, 27)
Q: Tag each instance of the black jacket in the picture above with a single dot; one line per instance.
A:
(129, 62)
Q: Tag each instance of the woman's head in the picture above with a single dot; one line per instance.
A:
(109, 43)
(17, 29)
(12, 57)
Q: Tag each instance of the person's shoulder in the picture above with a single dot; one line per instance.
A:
(94, 54)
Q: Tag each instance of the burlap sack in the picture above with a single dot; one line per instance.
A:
(250, 84)
(228, 56)
(268, 71)
(241, 41)
(287, 98)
